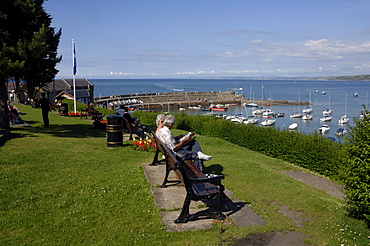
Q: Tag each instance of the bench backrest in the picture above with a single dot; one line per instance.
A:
(186, 170)
(169, 156)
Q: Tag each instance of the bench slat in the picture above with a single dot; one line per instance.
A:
(198, 185)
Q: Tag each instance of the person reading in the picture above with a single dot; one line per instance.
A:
(187, 148)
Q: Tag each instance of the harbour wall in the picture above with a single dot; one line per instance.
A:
(183, 99)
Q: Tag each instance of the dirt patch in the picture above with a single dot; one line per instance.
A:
(297, 217)
(272, 239)
(318, 182)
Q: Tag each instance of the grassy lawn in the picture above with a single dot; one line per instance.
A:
(62, 186)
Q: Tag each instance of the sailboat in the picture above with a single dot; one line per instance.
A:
(308, 109)
(307, 116)
(250, 119)
(326, 118)
(259, 110)
(251, 103)
(269, 121)
(343, 119)
(296, 114)
(268, 111)
(327, 111)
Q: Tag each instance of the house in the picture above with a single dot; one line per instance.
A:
(63, 88)
(58, 89)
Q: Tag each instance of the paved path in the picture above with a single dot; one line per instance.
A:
(169, 200)
(172, 198)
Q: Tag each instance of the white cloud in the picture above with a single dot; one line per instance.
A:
(256, 41)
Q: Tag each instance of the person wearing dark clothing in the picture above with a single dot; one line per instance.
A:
(134, 121)
(44, 104)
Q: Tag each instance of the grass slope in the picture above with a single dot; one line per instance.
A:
(62, 186)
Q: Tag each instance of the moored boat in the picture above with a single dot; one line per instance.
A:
(307, 117)
(269, 121)
(340, 132)
(326, 118)
(296, 115)
(251, 104)
(293, 126)
(324, 129)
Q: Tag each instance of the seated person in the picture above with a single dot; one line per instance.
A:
(132, 120)
(159, 121)
(90, 107)
(183, 149)
(14, 114)
(120, 111)
(192, 144)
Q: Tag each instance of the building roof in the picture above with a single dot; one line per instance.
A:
(69, 94)
(67, 84)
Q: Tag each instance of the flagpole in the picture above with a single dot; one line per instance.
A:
(74, 73)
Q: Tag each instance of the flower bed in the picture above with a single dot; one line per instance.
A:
(145, 145)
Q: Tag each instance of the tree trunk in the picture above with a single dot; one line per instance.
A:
(4, 112)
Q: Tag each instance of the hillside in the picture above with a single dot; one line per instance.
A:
(364, 77)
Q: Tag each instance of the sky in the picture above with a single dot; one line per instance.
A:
(120, 39)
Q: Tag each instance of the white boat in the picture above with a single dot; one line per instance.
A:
(258, 111)
(268, 122)
(340, 132)
(324, 129)
(268, 112)
(307, 110)
(238, 119)
(251, 120)
(293, 126)
(327, 111)
(296, 115)
(326, 118)
(307, 117)
(343, 119)
(355, 94)
(251, 104)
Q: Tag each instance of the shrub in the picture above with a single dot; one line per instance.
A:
(356, 174)
(313, 152)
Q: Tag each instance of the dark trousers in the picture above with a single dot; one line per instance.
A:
(190, 152)
(45, 117)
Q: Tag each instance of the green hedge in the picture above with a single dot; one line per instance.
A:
(313, 152)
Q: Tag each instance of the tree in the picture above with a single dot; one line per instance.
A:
(356, 174)
(28, 46)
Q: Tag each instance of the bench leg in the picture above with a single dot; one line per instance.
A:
(155, 159)
(184, 215)
(168, 169)
(130, 138)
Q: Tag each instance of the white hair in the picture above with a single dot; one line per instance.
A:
(169, 120)
(159, 118)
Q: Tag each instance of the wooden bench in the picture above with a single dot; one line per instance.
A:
(198, 186)
(95, 115)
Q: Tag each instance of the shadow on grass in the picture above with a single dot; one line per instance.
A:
(66, 131)
(214, 169)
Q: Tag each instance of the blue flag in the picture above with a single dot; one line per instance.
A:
(74, 58)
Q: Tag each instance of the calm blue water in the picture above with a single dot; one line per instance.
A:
(335, 96)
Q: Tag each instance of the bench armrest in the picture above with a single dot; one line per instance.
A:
(209, 180)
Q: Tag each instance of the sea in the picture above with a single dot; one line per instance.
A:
(343, 97)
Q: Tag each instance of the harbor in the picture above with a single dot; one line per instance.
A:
(191, 96)
(176, 100)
